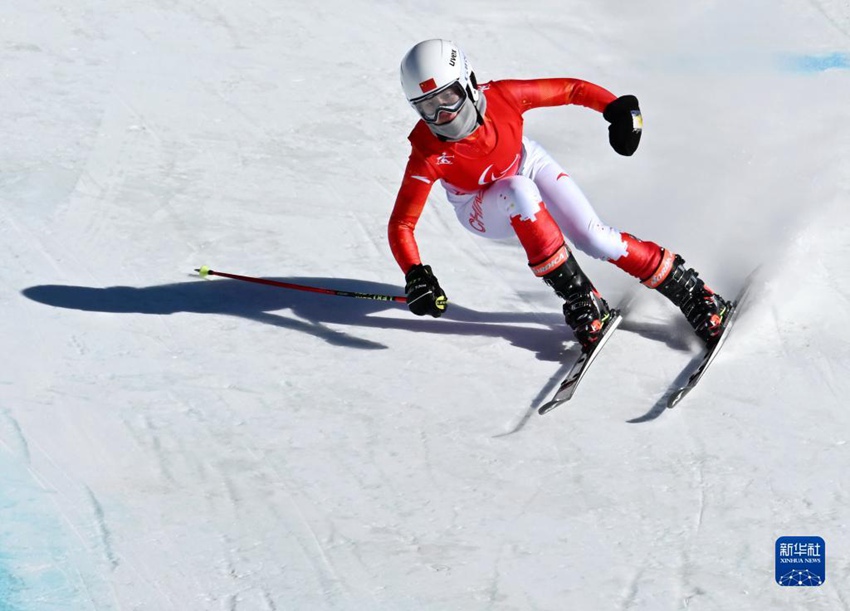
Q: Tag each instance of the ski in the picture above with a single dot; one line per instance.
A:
(710, 352)
(568, 387)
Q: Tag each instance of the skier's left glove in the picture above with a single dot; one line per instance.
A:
(626, 124)
(424, 295)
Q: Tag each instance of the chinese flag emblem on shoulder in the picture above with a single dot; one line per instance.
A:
(429, 85)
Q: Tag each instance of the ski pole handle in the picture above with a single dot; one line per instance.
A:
(205, 271)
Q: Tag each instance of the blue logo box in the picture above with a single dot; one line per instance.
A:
(800, 561)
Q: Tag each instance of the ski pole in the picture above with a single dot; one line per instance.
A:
(205, 271)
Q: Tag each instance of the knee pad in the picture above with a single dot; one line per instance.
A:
(517, 196)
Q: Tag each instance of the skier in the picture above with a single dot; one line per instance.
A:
(501, 183)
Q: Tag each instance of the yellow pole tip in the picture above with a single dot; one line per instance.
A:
(204, 271)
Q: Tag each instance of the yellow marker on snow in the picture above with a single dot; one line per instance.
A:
(204, 271)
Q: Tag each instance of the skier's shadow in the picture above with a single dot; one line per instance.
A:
(310, 312)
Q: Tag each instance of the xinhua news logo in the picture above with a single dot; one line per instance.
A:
(800, 561)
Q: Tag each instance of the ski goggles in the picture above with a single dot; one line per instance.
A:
(447, 99)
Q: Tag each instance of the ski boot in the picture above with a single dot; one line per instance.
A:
(585, 311)
(705, 310)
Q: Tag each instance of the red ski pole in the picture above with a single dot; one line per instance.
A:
(205, 271)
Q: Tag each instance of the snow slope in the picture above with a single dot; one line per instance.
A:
(173, 443)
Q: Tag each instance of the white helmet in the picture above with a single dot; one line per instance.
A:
(439, 83)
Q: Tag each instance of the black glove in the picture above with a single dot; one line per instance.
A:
(626, 124)
(424, 295)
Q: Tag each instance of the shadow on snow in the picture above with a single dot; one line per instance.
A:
(311, 312)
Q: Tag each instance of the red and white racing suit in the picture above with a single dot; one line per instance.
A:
(502, 184)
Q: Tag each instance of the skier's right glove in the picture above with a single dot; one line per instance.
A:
(424, 295)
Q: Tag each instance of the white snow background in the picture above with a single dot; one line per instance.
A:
(174, 443)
